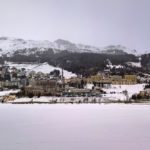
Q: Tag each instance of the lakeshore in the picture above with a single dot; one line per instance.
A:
(115, 94)
(72, 100)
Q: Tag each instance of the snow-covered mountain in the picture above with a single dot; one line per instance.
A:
(118, 49)
(10, 45)
(66, 45)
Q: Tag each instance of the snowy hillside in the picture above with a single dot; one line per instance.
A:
(66, 45)
(10, 45)
(43, 67)
(118, 49)
(134, 64)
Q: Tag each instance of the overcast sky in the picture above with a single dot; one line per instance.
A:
(94, 22)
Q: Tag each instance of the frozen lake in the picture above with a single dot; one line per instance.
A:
(75, 127)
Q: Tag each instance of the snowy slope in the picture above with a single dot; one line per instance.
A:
(131, 89)
(134, 64)
(66, 45)
(10, 45)
(118, 49)
(43, 67)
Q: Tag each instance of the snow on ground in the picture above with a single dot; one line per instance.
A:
(114, 97)
(114, 66)
(43, 67)
(113, 94)
(118, 89)
(75, 127)
(135, 64)
(9, 44)
(89, 86)
(3, 93)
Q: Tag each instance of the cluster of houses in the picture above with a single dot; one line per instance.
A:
(12, 78)
(54, 84)
(94, 85)
(77, 86)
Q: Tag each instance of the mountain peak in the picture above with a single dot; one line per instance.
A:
(118, 49)
(61, 41)
(65, 45)
(8, 44)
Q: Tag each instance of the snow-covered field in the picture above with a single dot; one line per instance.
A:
(43, 67)
(74, 127)
(3, 93)
(117, 90)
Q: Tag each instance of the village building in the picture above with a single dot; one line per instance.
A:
(125, 80)
(76, 82)
(12, 78)
(131, 79)
(43, 87)
(99, 81)
(74, 92)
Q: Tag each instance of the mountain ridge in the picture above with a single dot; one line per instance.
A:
(9, 45)
(77, 58)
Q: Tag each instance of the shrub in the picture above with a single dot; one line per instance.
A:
(30, 95)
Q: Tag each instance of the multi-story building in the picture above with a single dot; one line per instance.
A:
(43, 87)
(125, 80)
